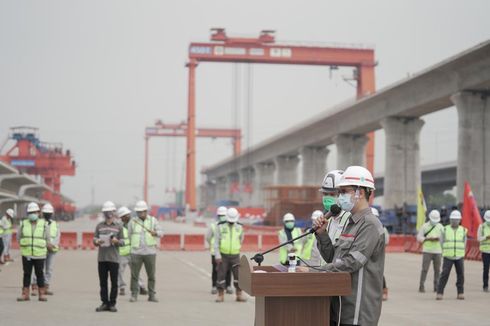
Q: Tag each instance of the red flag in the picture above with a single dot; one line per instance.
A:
(471, 213)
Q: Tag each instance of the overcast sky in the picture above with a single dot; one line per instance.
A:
(93, 74)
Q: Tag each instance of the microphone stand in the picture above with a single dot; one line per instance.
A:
(259, 257)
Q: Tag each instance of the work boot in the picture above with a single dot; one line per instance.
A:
(47, 292)
(34, 290)
(122, 291)
(102, 307)
(240, 297)
(42, 293)
(229, 290)
(25, 295)
(112, 309)
(8, 258)
(385, 294)
(439, 296)
(143, 291)
(421, 289)
(152, 298)
(133, 298)
(214, 290)
(485, 289)
(221, 295)
(460, 296)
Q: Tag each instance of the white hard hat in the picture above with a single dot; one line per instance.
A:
(48, 208)
(141, 206)
(331, 181)
(316, 214)
(123, 211)
(455, 215)
(32, 207)
(486, 216)
(232, 215)
(288, 217)
(10, 212)
(375, 211)
(357, 176)
(435, 216)
(108, 206)
(221, 211)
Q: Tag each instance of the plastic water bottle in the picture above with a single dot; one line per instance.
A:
(292, 263)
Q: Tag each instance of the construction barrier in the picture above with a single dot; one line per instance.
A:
(250, 242)
(269, 241)
(88, 241)
(397, 243)
(15, 243)
(170, 242)
(194, 242)
(68, 240)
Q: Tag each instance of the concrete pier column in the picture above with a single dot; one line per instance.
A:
(287, 169)
(207, 193)
(263, 177)
(233, 186)
(246, 186)
(351, 150)
(221, 188)
(402, 157)
(314, 167)
(473, 144)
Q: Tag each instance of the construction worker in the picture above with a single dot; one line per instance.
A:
(360, 251)
(210, 237)
(229, 238)
(310, 253)
(453, 251)
(330, 192)
(430, 235)
(287, 233)
(124, 214)
(144, 233)
(33, 240)
(108, 236)
(53, 247)
(375, 212)
(7, 228)
(484, 239)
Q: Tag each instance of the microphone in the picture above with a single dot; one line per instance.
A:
(259, 257)
(334, 211)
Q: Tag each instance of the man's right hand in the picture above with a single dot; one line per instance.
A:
(320, 224)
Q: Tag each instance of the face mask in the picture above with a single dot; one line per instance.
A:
(454, 223)
(47, 216)
(328, 201)
(289, 225)
(222, 218)
(432, 222)
(33, 217)
(346, 202)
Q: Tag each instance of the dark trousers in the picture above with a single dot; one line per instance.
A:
(447, 264)
(427, 258)
(486, 264)
(1, 247)
(108, 269)
(38, 265)
(214, 273)
(228, 263)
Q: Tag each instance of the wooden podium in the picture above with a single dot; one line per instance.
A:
(289, 299)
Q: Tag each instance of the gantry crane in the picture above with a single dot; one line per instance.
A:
(264, 50)
(161, 129)
(48, 160)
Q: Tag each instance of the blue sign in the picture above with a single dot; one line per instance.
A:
(23, 163)
(200, 50)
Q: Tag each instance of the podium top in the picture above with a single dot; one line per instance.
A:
(274, 283)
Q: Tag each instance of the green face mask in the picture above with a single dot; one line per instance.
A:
(33, 217)
(328, 201)
(289, 225)
(222, 218)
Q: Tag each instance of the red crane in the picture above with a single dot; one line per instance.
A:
(264, 50)
(31, 156)
(180, 130)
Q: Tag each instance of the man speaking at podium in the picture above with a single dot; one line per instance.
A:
(359, 251)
